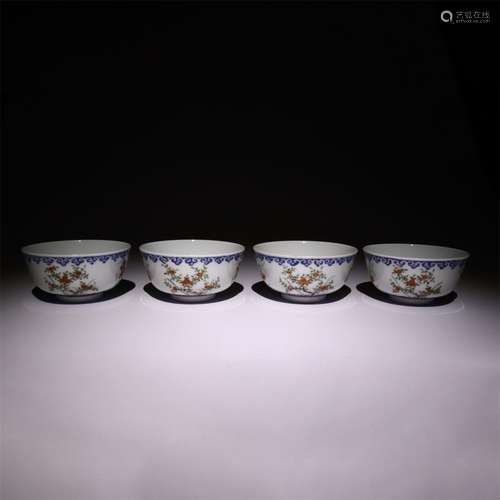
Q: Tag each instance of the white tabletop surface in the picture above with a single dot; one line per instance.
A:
(249, 398)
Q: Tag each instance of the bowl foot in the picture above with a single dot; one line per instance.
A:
(411, 300)
(192, 298)
(76, 299)
(303, 299)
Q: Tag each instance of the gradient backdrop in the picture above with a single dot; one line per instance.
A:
(357, 123)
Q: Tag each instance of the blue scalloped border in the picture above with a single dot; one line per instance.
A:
(63, 261)
(191, 260)
(305, 262)
(426, 264)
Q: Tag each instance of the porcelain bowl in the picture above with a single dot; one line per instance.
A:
(304, 271)
(76, 269)
(414, 273)
(192, 270)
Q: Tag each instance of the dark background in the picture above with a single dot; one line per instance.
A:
(356, 123)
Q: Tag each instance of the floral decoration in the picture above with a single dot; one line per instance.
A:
(314, 282)
(418, 284)
(196, 282)
(74, 281)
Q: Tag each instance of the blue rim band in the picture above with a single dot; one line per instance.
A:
(191, 260)
(305, 262)
(426, 264)
(63, 261)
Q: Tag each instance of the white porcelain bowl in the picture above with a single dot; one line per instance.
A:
(192, 270)
(304, 271)
(76, 269)
(414, 273)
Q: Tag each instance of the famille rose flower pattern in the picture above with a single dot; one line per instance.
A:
(314, 282)
(305, 277)
(192, 276)
(74, 281)
(74, 275)
(415, 284)
(196, 282)
(412, 278)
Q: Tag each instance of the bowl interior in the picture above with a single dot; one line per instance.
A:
(415, 251)
(75, 248)
(305, 249)
(192, 248)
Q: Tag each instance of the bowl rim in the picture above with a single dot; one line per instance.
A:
(240, 250)
(353, 251)
(465, 255)
(124, 247)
